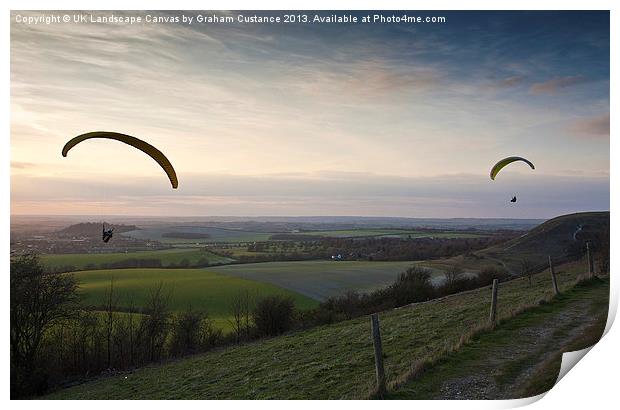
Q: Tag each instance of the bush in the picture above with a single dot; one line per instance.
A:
(273, 315)
(186, 332)
(486, 275)
(413, 285)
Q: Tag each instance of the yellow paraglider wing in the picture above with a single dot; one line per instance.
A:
(502, 163)
(143, 146)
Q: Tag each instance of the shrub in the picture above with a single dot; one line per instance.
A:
(186, 332)
(413, 285)
(273, 315)
(486, 275)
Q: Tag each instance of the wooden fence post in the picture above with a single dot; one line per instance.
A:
(590, 261)
(376, 340)
(553, 278)
(493, 314)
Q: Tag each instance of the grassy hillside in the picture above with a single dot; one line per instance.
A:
(321, 279)
(334, 361)
(522, 356)
(167, 257)
(201, 289)
(553, 237)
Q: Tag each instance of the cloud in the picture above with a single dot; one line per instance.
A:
(593, 127)
(557, 83)
(22, 165)
(322, 193)
(510, 81)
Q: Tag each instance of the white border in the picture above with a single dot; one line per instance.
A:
(590, 385)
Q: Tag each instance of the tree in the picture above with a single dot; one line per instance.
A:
(240, 315)
(155, 325)
(452, 276)
(527, 269)
(110, 309)
(273, 315)
(186, 332)
(413, 285)
(38, 302)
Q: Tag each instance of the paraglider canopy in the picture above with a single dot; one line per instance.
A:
(502, 163)
(143, 146)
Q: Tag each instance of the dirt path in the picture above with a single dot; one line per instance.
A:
(500, 364)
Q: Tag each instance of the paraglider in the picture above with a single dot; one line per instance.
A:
(106, 235)
(502, 163)
(143, 146)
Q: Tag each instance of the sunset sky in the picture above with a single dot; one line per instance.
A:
(367, 120)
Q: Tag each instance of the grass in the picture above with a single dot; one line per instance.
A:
(167, 257)
(472, 355)
(327, 362)
(215, 234)
(238, 251)
(201, 289)
(545, 377)
(320, 279)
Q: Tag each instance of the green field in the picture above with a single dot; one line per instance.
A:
(321, 279)
(389, 233)
(201, 289)
(326, 362)
(167, 257)
(223, 235)
(215, 234)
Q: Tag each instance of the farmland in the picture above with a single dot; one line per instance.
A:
(332, 361)
(201, 289)
(390, 233)
(321, 279)
(211, 234)
(206, 234)
(167, 257)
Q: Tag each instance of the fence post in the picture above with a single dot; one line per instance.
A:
(590, 261)
(493, 302)
(376, 340)
(553, 278)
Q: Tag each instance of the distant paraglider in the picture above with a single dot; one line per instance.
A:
(502, 163)
(143, 146)
(106, 235)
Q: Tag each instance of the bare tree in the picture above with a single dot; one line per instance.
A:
(236, 310)
(130, 331)
(247, 314)
(155, 325)
(452, 276)
(111, 301)
(38, 301)
(527, 269)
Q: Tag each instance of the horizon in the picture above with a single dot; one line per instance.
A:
(266, 217)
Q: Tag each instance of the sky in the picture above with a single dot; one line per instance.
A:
(314, 119)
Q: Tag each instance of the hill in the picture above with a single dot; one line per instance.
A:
(563, 237)
(327, 362)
